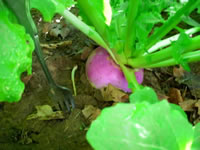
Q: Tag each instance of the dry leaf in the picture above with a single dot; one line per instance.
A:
(46, 28)
(86, 52)
(196, 121)
(178, 72)
(56, 45)
(90, 112)
(26, 79)
(162, 96)
(45, 112)
(111, 93)
(175, 96)
(197, 104)
(59, 30)
(188, 105)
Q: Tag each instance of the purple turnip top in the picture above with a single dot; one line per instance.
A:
(101, 70)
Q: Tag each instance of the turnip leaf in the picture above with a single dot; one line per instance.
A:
(196, 143)
(179, 48)
(145, 94)
(16, 46)
(16, 56)
(141, 126)
(54, 6)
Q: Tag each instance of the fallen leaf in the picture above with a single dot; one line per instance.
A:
(196, 121)
(90, 112)
(59, 30)
(56, 45)
(86, 52)
(197, 104)
(175, 96)
(188, 105)
(111, 93)
(26, 79)
(178, 72)
(162, 96)
(46, 28)
(45, 112)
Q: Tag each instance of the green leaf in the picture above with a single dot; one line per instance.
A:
(16, 56)
(190, 21)
(179, 49)
(196, 141)
(99, 16)
(54, 6)
(96, 14)
(145, 94)
(68, 3)
(198, 9)
(141, 126)
(150, 14)
(118, 25)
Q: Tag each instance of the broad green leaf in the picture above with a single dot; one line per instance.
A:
(145, 94)
(16, 56)
(141, 126)
(52, 7)
(196, 141)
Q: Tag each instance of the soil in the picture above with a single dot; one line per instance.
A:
(68, 133)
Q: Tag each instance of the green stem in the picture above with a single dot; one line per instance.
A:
(169, 40)
(131, 78)
(94, 16)
(171, 23)
(162, 55)
(87, 30)
(73, 79)
(190, 57)
(131, 27)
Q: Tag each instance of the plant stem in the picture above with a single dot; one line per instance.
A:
(90, 32)
(94, 16)
(131, 28)
(171, 23)
(73, 80)
(87, 30)
(190, 57)
(169, 40)
(131, 78)
(162, 55)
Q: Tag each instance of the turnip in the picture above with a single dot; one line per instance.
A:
(101, 70)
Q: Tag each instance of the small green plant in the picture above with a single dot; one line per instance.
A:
(136, 34)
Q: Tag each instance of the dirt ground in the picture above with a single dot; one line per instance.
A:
(17, 132)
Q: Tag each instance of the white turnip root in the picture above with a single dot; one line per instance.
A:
(101, 70)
